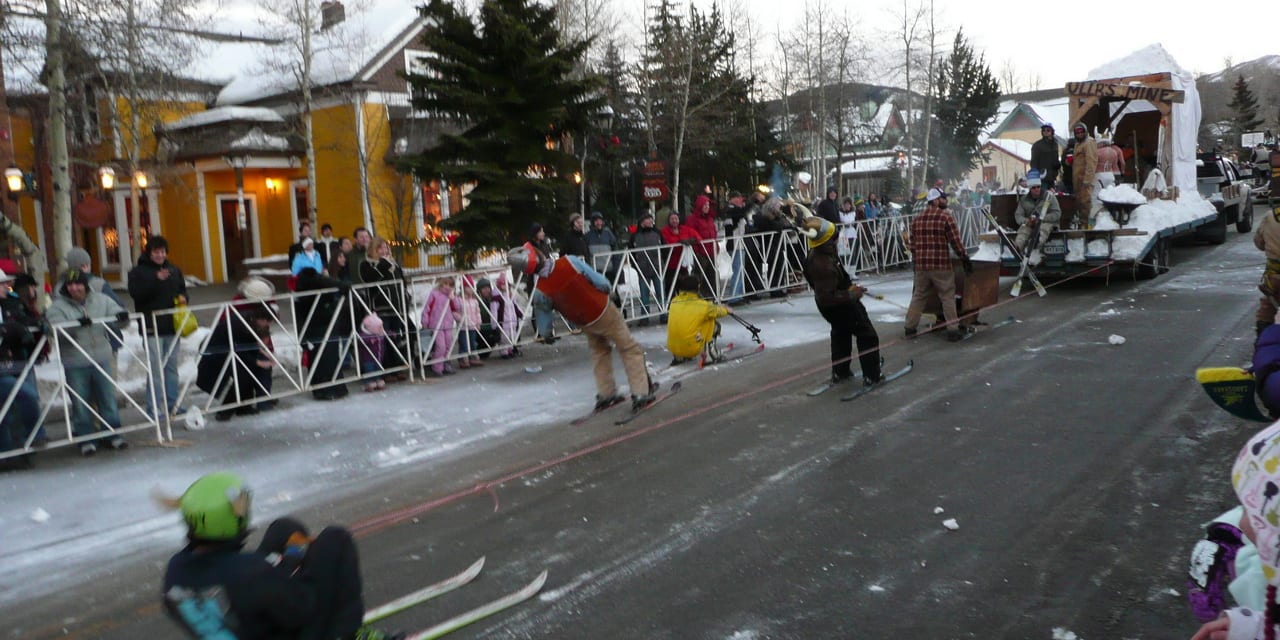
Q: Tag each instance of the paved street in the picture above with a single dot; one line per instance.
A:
(1078, 472)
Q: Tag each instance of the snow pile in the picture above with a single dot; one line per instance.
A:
(1121, 194)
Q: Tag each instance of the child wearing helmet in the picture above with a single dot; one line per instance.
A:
(292, 586)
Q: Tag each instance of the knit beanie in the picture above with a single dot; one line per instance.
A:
(77, 259)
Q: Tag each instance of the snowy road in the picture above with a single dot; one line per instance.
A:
(1078, 472)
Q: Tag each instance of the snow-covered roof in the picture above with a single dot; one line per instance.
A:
(1056, 112)
(225, 114)
(1019, 149)
(256, 140)
(868, 164)
(1150, 59)
(339, 54)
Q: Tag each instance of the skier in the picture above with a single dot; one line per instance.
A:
(1255, 477)
(693, 325)
(581, 295)
(292, 586)
(839, 302)
(1267, 239)
(1038, 209)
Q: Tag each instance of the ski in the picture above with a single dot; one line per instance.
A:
(887, 379)
(483, 611)
(826, 386)
(422, 595)
(1007, 321)
(595, 412)
(727, 360)
(1232, 388)
(1025, 271)
(675, 388)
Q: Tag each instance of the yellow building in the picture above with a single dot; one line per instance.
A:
(234, 115)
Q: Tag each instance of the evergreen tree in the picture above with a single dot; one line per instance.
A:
(1244, 109)
(968, 96)
(510, 89)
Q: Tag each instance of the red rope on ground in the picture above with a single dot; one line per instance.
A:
(383, 521)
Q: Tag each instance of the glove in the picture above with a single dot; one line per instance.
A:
(86, 322)
(968, 265)
(122, 316)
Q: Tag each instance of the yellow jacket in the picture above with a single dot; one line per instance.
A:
(691, 324)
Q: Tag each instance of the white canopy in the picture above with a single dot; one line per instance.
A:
(1177, 153)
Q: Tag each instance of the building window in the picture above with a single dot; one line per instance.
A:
(988, 174)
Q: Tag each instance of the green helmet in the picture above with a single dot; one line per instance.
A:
(216, 507)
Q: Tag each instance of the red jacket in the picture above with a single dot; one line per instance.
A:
(676, 237)
(573, 295)
(704, 224)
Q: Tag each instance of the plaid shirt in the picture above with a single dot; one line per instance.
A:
(933, 236)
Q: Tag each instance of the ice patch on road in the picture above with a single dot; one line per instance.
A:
(1062, 634)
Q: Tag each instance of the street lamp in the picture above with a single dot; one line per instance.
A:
(141, 179)
(108, 177)
(13, 181)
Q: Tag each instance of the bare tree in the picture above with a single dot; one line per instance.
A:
(909, 24)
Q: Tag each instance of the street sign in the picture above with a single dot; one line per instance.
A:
(653, 187)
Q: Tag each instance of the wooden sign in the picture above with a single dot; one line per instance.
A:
(1126, 92)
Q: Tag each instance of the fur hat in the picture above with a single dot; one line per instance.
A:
(256, 288)
(77, 259)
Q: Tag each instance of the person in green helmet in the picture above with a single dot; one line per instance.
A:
(293, 587)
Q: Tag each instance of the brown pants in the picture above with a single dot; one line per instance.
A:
(1267, 303)
(610, 331)
(927, 285)
(1084, 204)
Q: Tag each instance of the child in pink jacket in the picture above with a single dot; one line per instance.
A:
(440, 317)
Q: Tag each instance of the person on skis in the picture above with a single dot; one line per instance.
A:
(840, 303)
(292, 587)
(693, 325)
(1039, 210)
(581, 295)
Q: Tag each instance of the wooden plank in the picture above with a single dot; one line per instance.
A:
(1119, 91)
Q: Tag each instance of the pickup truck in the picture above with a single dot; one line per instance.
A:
(1220, 183)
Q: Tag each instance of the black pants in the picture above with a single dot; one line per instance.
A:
(332, 569)
(847, 322)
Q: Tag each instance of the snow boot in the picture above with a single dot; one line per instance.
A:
(88, 449)
(603, 402)
(840, 379)
(640, 402)
(118, 443)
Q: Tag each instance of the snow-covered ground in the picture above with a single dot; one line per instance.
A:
(63, 518)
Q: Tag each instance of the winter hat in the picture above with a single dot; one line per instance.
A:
(1256, 478)
(1080, 126)
(1044, 126)
(935, 193)
(372, 325)
(645, 216)
(573, 218)
(23, 280)
(77, 259)
(818, 230)
(483, 283)
(596, 215)
(255, 288)
(73, 276)
(1033, 178)
(308, 242)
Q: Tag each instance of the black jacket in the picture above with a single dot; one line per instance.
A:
(1044, 158)
(828, 210)
(650, 256)
(240, 592)
(575, 244)
(318, 310)
(150, 293)
(19, 332)
(827, 277)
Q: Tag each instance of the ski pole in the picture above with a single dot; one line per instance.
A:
(755, 331)
(883, 299)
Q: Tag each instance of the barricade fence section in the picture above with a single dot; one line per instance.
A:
(69, 391)
(247, 354)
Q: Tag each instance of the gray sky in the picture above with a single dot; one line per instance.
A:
(1063, 41)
